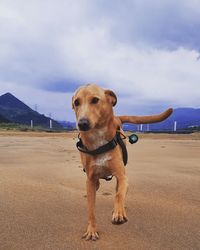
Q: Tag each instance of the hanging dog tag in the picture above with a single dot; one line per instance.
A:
(133, 138)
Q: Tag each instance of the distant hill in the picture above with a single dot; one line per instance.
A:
(184, 117)
(68, 125)
(14, 110)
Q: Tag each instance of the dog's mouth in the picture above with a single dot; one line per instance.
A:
(84, 124)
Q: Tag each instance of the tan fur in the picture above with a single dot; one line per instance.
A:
(103, 126)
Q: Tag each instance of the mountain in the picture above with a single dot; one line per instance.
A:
(10, 101)
(184, 117)
(14, 110)
(3, 119)
(68, 125)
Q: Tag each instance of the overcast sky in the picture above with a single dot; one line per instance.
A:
(146, 51)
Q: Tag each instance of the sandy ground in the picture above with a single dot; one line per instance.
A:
(43, 203)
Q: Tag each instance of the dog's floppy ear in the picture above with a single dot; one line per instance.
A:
(111, 96)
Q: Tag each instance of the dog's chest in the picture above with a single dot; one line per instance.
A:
(101, 165)
(102, 160)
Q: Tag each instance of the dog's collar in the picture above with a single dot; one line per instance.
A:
(106, 147)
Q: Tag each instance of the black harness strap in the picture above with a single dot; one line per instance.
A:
(123, 148)
(106, 147)
(103, 149)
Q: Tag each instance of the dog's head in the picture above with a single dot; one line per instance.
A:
(93, 106)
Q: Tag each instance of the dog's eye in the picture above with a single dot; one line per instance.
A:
(76, 102)
(94, 100)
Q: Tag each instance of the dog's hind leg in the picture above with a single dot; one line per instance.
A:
(97, 184)
(119, 213)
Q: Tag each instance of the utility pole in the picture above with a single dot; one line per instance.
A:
(31, 124)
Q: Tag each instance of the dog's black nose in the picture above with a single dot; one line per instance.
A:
(84, 124)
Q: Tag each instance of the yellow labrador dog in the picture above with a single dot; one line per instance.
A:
(102, 147)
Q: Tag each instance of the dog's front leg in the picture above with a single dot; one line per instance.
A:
(91, 233)
(119, 213)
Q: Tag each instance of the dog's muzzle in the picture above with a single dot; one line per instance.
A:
(83, 124)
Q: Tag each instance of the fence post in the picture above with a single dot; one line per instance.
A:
(50, 124)
(175, 126)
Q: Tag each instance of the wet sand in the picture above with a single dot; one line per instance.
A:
(43, 203)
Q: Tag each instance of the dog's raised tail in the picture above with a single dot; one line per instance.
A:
(146, 119)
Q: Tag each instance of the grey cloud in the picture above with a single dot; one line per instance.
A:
(161, 24)
(60, 85)
(131, 47)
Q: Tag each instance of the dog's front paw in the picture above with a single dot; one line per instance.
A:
(91, 234)
(119, 217)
